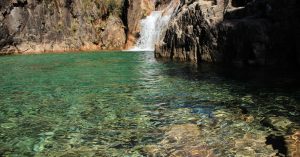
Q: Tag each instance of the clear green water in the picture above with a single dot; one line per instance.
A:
(119, 103)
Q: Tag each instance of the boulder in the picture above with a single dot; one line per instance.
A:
(235, 32)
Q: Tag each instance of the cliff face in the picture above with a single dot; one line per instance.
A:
(232, 31)
(36, 26)
(136, 10)
(260, 32)
(28, 26)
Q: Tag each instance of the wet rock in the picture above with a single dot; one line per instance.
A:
(248, 118)
(278, 123)
(197, 151)
(179, 141)
(222, 114)
(153, 150)
(72, 152)
(186, 133)
(250, 143)
(136, 11)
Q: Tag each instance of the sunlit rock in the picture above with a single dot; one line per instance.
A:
(58, 26)
(278, 123)
(179, 141)
(293, 144)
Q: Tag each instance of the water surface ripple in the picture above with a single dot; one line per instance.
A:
(129, 104)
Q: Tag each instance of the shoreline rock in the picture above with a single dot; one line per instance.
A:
(28, 27)
(237, 32)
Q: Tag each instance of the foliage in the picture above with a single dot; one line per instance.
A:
(114, 6)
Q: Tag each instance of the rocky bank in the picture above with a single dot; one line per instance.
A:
(34, 26)
(37, 26)
(242, 32)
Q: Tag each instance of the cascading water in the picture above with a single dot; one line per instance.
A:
(151, 28)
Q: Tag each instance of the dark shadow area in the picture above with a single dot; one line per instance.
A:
(20, 4)
(260, 33)
(256, 77)
(239, 3)
(265, 85)
(277, 143)
(124, 15)
(263, 33)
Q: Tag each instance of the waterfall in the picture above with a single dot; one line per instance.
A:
(152, 27)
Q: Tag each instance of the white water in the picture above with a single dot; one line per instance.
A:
(151, 29)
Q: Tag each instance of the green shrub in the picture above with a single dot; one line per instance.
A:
(114, 6)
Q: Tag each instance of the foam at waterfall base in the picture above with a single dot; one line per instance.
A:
(137, 49)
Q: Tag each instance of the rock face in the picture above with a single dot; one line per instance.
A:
(161, 4)
(137, 10)
(28, 26)
(260, 32)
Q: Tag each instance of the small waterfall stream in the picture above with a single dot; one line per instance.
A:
(152, 27)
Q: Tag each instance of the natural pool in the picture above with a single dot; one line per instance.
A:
(129, 104)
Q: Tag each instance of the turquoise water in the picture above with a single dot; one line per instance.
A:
(129, 104)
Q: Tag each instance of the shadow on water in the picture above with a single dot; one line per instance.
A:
(277, 143)
(265, 85)
(255, 78)
(121, 102)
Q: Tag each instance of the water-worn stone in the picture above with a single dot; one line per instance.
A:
(179, 141)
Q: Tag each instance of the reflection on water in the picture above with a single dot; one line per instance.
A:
(129, 104)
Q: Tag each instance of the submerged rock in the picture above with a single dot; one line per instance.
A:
(250, 143)
(278, 123)
(186, 133)
(197, 151)
(179, 141)
(293, 144)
